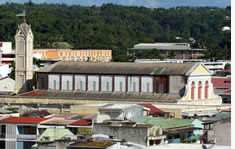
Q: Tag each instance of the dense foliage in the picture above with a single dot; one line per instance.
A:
(120, 27)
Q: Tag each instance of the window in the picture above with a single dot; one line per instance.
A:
(120, 86)
(67, 82)
(78, 58)
(192, 90)
(54, 84)
(81, 85)
(94, 86)
(134, 87)
(148, 87)
(107, 86)
(206, 90)
(72, 58)
(199, 89)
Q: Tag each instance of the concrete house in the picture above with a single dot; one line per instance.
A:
(180, 50)
(177, 83)
(176, 130)
(19, 132)
(218, 129)
(140, 133)
(120, 111)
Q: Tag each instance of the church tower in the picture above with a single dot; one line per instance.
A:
(24, 58)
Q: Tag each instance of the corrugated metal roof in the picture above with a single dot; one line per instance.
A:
(57, 121)
(93, 144)
(118, 68)
(81, 123)
(163, 46)
(165, 123)
(221, 81)
(24, 120)
(152, 108)
(54, 134)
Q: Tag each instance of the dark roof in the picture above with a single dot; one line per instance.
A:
(23, 120)
(152, 108)
(103, 96)
(118, 68)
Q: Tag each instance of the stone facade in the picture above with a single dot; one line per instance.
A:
(24, 58)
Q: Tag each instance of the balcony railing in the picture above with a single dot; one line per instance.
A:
(26, 137)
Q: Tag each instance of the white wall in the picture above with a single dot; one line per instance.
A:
(93, 83)
(67, 82)
(80, 82)
(6, 47)
(7, 85)
(120, 80)
(4, 71)
(106, 83)
(133, 84)
(147, 84)
(54, 78)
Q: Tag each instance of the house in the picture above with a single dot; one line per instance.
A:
(81, 127)
(154, 111)
(144, 134)
(218, 129)
(216, 66)
(93, 145)
(120, 112)
(176, 130)
(222, 85)
(170, 83)
(19, 132)
(178, 50)
(92, 55)
(48, 139)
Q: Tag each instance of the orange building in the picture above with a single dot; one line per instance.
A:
(75, 55)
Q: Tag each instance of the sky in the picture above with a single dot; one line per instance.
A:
(145, 3)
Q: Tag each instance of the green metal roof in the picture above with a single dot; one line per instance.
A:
(165, 123)
(54, 134)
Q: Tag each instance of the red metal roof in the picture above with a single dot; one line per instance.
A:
(24, 120)
(227, 91)
(33, 93)
(152, 108)
(82, 123)
(221, 82)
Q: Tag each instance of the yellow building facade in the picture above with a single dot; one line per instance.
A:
(75, 55)
(199, 89)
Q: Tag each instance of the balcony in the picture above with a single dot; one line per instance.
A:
(2, 135)
(26, 137)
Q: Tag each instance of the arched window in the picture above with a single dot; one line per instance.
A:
(206, 89)
(192, 90)
(199, 90)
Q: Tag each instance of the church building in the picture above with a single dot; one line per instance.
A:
(185, 83)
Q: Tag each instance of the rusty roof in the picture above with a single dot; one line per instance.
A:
(118, 68)
(93, 144)
(57, 121)
(105, 96)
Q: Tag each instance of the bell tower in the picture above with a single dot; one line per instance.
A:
(24, 58)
